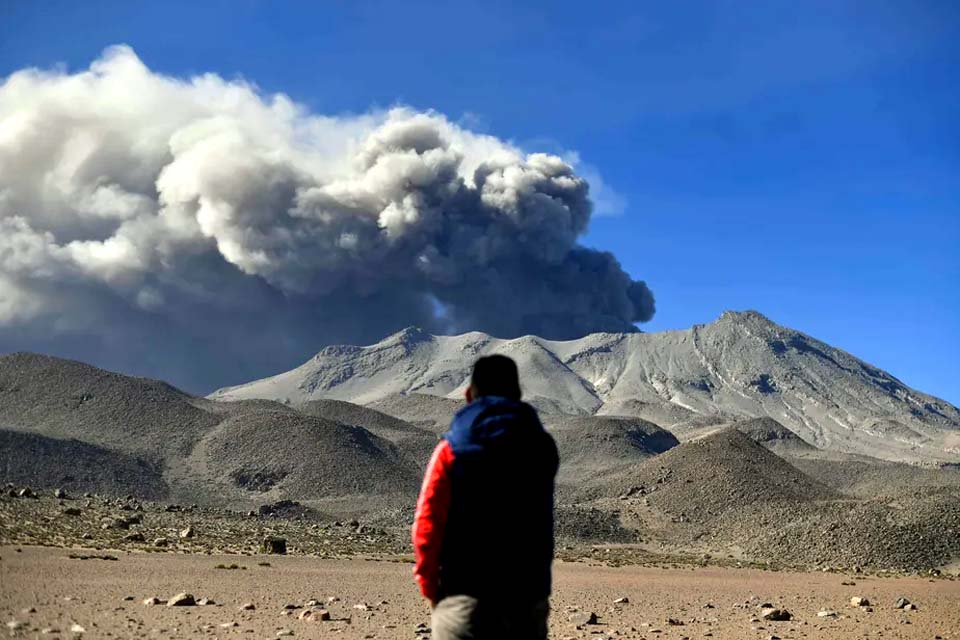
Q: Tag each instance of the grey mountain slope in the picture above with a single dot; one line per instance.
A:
(147, 438)
(600, 445)
(68, 399)
(38, 461)
(726, 491)
(739, 367)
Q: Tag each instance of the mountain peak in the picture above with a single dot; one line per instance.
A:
(748, 315)
(409, 336)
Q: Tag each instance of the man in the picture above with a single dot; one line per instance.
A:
(483, 531)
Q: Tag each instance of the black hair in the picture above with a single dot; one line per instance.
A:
(495, 376)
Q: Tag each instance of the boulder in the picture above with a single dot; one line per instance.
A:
(584, 618)
(314, 615)
(273, 544)
(776, 615)
(182, 600)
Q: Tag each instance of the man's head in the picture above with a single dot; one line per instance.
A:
(494, 376)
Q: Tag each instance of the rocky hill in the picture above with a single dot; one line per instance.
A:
(75, 426)
(739, 367)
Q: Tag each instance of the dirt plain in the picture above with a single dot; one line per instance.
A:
(46, 589)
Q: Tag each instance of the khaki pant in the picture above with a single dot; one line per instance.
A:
(466, 618)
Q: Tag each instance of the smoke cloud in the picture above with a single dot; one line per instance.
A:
(199, 231)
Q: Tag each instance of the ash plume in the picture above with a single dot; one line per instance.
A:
(197, 230)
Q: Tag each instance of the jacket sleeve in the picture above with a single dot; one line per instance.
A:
(430, 520)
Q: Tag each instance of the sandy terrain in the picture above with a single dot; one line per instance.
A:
(63, 591)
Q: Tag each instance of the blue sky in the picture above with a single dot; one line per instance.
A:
(801, 159)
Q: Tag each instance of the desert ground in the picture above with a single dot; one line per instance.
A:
(49, 592)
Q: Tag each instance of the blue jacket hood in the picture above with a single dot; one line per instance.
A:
(491, 418)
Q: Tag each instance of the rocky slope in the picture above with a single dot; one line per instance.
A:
(75, 426)
(738, 367)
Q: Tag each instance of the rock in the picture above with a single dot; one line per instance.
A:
(284, 632)
(71, 511)
(581, 619)
(901, 603)
(26, 492)
(315, 615)
(273, 544)
(182, 600)
(60, 494)
(248, 606)
(76, 628)
(910, 607)
(227, 625)
(152, 601)
(859, 601)
(134, 537)
(673, 622)
(49, 630)
(160, 542)
(362, 606)
(128, 598)
(115, 523)
(205, 602)
(777, 615)
(623, 600)
(826, 613)
(187, 533)
(16, 625)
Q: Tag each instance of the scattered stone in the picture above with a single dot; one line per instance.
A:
(71, 511)
(160, 542)
(134, 537)
(859, 601)
(16, 625)
(187, 533)
(901, 603)
(182, 600)
(826, 613)
(49, 631)
(777, 615)
(910, 607)
(26, 492)
(227, 625)
(284, 632)
(248, 606)
(273, 544)
(673, 622)
(362, 606)
(76, 628)
(623, 600)
(60, 494)
(315, 615)
(152, 601)
(205, 602)
(585, 618)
